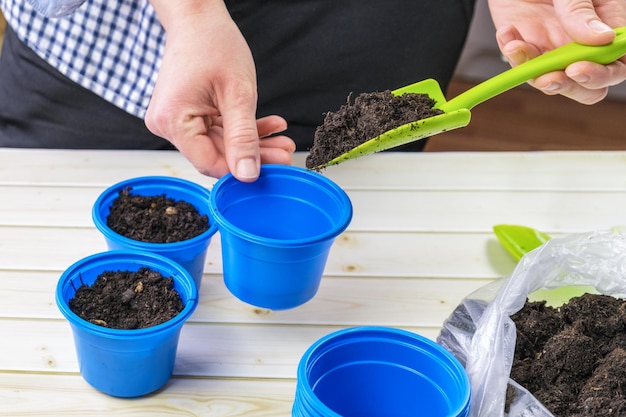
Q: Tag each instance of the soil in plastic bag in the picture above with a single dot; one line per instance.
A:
(482, 334)
(573, 358)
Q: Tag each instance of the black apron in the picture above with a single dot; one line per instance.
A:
(310, 55)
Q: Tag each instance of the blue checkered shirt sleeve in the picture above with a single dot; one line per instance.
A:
(111, 47)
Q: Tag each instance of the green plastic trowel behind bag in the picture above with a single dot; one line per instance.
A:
(518, 241)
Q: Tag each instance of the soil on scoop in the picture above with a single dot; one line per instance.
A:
(364, 118)
(128, 299)
(573, 359)
(155, 219)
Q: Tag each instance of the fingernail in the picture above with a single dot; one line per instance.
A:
(552, 87)
(580, 78)
(599, 26)
(516, 56)
(247, 168)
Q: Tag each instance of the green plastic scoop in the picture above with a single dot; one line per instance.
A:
(518, 241)
(457, 110)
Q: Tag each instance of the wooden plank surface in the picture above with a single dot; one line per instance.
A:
(68, 395)
(461, 210)
(550, 171)
(421, 240)
(340, 301)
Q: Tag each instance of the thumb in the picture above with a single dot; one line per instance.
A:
(241, 139)
(582, 23)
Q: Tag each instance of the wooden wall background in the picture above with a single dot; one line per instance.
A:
(524, 119)
(3, 25)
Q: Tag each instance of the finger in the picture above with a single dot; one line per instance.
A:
(507, 34)
(581, 22)
(277, 150)
(269, 125)
(279, 142)
(586, 96)
(241, 137)
(592, 75)
(276, 156)
(203, 154)
(559, 83)
(513, 47)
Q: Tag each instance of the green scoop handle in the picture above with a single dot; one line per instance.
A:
(556, 60)
(457, 110)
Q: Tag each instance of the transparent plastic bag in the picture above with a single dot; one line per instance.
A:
(481, 333)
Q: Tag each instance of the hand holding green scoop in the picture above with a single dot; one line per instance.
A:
(457, 110)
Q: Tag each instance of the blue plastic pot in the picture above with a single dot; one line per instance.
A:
(125, 363)
(378, 372)
(277, 232)
(190, 253)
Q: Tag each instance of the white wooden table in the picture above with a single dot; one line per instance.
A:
(420, 240)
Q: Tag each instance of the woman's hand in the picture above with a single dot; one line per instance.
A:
(205, 98)
(528, 28)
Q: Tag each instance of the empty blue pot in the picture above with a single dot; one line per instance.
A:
(378, 372)
(276, 233)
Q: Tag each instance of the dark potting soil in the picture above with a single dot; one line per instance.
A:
(573, 359)
(364, 118)
(128, 299)
(155, 219)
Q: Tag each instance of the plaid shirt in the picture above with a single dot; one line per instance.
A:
(111, 47)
